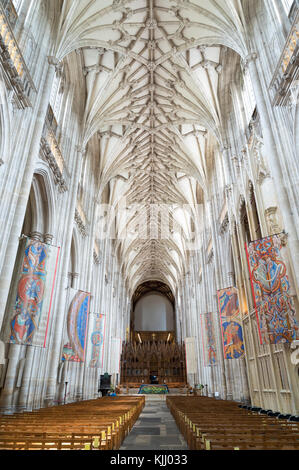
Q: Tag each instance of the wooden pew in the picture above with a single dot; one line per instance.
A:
(100, 424)
(209, 424)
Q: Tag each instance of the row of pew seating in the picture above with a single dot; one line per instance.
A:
(210, 424)
(100, 424)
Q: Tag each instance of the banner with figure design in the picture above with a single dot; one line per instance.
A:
(231, 326)
(275, 309)
(97, 341)
(31, 294)
(74, 345)
(208, 339)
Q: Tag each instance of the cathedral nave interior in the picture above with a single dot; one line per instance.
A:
(149, 214)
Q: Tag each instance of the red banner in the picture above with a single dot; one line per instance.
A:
(275, 307)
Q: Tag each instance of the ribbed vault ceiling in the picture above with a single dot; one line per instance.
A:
(152, 70)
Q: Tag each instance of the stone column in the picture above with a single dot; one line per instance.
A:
(86, 375)
(204, 309)
(63, 379)
(96, 374)
(23, 401)
(79, 382)
(6, 399)
(102, 303)
(226, 164)
(218, 286)
(64, 261)
(198, 320)
(72, 381)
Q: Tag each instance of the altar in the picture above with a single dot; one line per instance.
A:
(153, 389)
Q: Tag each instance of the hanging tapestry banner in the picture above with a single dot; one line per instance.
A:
(30, 298)
(275, 309)
(76, 326)
(230, 319)
(96, 345)
(208, 339)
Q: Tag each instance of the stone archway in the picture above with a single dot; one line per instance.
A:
(23, 360)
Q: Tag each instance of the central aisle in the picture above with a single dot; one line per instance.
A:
(155, 429)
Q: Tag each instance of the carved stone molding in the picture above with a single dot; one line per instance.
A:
(252, 57)
(96, 258)
(81, 226)
(262, 169)
(241, 205)
(81, 150)
(228, 190)
(210, 256)
(224, 225)
(53, 61)
(74, 275)
(272, 220)
(236, 162)
(295, 353)
(37, 236)
(48, 238)
(95, 68)
(262, 176)
(50, 151)
(251, 192)
(284, 238)
(15, 72)
(285, 77)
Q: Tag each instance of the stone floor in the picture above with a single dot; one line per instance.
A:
(155, 429)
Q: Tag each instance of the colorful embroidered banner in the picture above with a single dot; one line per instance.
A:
(209, 341)
(232, 332)
(76, 327)
(97, 341)
(30, 300)
(275, 310)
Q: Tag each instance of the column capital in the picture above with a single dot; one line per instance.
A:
(228, 188)
(53, 61)
(225, 147)
(252, 57)
(81, 149)
(48, 238)
(36, 236)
